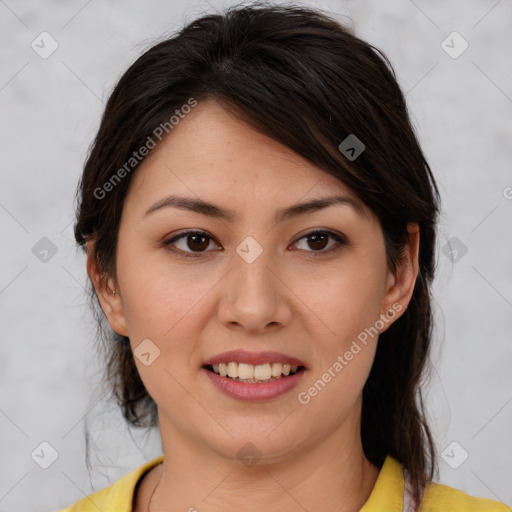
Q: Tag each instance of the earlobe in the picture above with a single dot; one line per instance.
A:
(400, 284)
(108, 295)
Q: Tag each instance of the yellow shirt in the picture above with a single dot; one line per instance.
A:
(387, 495)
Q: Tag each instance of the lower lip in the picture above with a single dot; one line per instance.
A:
(254, 391)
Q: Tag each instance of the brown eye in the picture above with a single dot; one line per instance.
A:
(195, 243)
(317, 241)
(191, 242)
(198, 242)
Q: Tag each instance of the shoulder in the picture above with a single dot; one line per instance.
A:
(441, 498)
(392, 492)
(118, 496)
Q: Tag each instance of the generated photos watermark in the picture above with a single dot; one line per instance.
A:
(342, 361)
(143, 151)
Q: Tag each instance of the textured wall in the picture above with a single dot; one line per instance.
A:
(461, 107)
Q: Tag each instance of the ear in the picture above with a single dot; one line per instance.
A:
(400, 284)
(111, 303)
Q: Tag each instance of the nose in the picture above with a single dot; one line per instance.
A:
(255, 297)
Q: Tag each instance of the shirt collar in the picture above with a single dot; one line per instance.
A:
(387, 493)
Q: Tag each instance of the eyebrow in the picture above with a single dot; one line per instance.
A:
(212, 210)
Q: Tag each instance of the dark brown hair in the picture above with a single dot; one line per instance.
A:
(300, 77)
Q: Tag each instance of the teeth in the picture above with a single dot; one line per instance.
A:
(232, 370)
(249, 372)
(245, 371)
(263, 372)
(276, 369)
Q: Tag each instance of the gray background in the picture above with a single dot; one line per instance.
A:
(461, 108)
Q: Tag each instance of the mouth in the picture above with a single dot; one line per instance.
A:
(254, 374)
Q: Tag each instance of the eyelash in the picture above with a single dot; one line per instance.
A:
(167, 243)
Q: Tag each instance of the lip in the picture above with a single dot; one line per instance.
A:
(255, 392)
(254, 358)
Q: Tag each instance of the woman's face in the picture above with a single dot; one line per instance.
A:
(253, 280)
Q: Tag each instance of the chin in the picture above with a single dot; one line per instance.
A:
(261, 446)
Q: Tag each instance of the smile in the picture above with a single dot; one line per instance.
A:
(242, 372)
(264, 387)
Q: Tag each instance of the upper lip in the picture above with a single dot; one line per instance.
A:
(254, 358)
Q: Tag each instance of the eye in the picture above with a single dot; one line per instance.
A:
(318, 240)
(194, 242)
(197, 241)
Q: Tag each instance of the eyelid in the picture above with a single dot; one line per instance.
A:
(338, 237)
(183, 234)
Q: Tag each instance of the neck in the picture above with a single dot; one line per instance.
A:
(333, 475)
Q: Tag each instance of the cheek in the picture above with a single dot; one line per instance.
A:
(346, 299)
(164, 306)
(159, 299)
(346, 305)
(345, 342)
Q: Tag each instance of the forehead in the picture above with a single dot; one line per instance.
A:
(212, 155)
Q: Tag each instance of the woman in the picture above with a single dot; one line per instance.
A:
(259, 221)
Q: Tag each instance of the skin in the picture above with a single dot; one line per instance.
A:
(288, 300)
